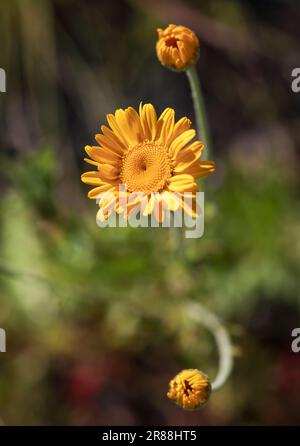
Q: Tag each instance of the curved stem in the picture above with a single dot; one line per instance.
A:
(210, 321)
(200, 113)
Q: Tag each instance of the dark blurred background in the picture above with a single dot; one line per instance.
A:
(94, 319)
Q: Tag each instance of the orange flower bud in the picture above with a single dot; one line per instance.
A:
(177, 47)
(190, 389)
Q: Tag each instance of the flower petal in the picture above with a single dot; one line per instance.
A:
(114, 125)
(188, 156)
(201, 169)
(92, 178)
(109, 172)
(167, 117)
(89, 161)
(109, 140)
(129, 125)
(189, 152)
(180, 142)
(101, 155)
(148, 121)
(181, 126)
(94, 193)
(134, 122)
(183, 183)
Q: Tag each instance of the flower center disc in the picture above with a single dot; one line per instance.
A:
(146, 168)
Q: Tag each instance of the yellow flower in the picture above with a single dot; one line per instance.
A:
(177, 47)
(149, 155)
(190, 389)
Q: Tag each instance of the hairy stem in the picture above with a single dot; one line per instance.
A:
(222, 338)
(200, 113)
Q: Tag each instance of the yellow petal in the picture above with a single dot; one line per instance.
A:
(134, 123)
(183, 183)
(92, 178)
(94, 193)
(109, 172)
(201, 169)
(180, 142)
(188, 156)
(167, 117)
(196, 148)
(148, 121)
(93, 163)
(181, 126)
(110, 141)
(101, 155)
(114, 125)
(129, 124)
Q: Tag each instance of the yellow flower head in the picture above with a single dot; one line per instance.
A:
(177, 47)
(150, 155)
(190, 389)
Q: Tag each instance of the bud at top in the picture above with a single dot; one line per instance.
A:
(190, 389)
(177, 47)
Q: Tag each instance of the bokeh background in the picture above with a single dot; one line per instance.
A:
(94, 319)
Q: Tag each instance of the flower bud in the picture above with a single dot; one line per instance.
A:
(190, 389)
(177, 47)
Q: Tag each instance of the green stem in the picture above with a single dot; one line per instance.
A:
(200, 113)
(205, 317)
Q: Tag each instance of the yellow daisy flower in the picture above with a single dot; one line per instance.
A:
(177, 47)
(190, 389)
(152, 157)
